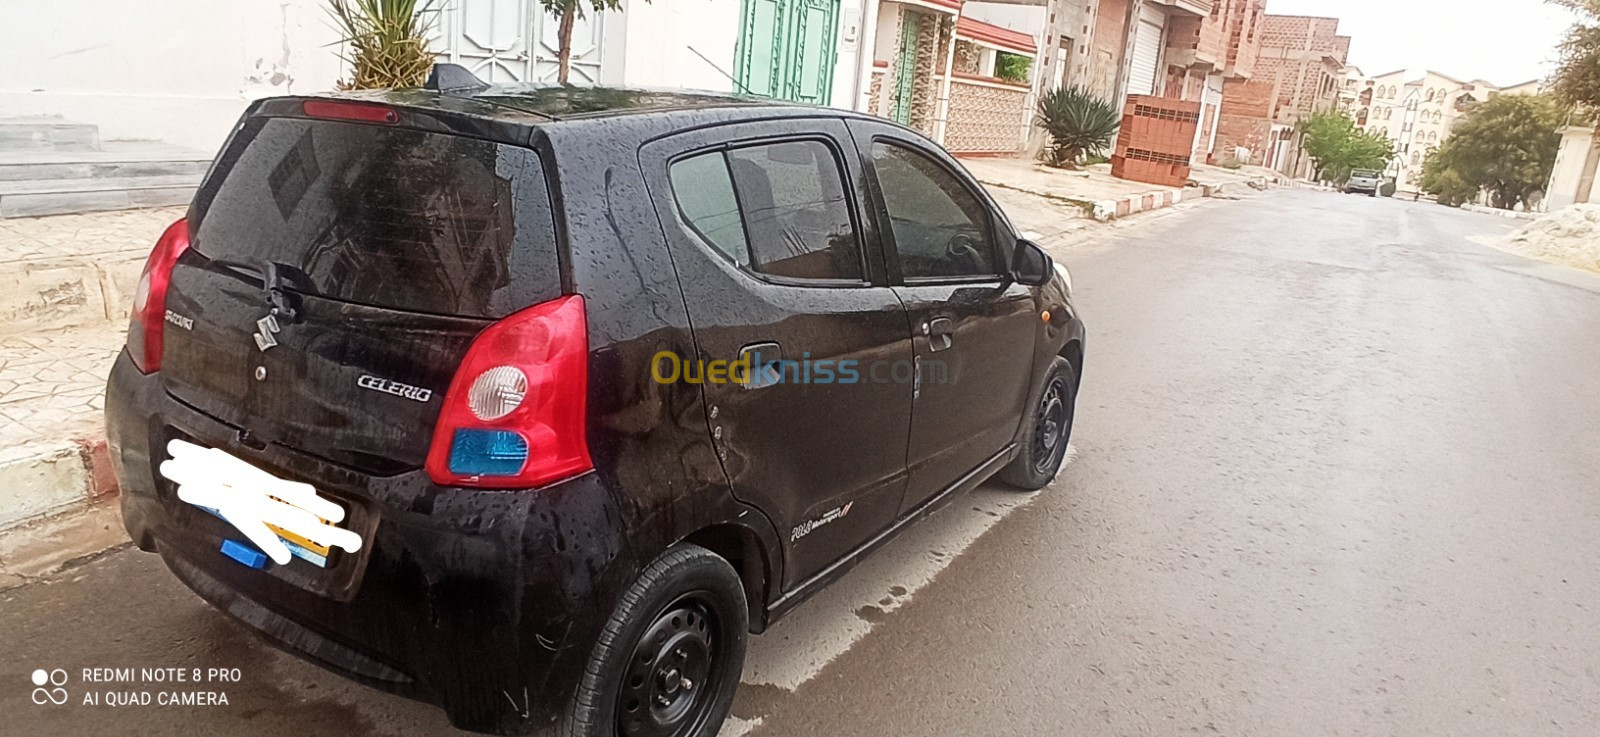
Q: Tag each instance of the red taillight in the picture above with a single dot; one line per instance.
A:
(148, 326)
(514, 415)
(357, 111)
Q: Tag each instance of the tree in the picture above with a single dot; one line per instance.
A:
(567, 13)
(1337, 147)
(1441, 179)
(1506, 147)
(1577, 79)
(388, 41)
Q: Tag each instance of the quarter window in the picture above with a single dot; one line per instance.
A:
(941, 229)
(776, 209)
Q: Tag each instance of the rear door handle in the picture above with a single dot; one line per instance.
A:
(765, 362)
(941, 334)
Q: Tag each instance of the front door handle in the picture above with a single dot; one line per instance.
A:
(941, 334)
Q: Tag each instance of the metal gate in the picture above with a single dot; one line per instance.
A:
(787, 49)
(1147, 42)
(515, 41)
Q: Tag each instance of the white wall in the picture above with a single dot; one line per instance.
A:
(173, 70)
(1029, 19)
(657, 38)
(1575, 144)
(853, 66)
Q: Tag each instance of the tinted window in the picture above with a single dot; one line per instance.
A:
(385, 216)
(795, 211)
(704, 191)
(791, 218)
(941, 228)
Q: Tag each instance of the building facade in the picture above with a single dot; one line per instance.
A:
(1417, 113)
(1299, 71)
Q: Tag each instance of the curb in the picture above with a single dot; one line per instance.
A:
(57, 504)
(44, 546)
(1108, 210)
(1509, 214)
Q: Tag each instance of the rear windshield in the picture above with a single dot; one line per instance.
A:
(389, 217)
(1364, 174)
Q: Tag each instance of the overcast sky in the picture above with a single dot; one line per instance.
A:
(1503, 41)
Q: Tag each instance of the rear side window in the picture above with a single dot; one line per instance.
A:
(389, 217)
(776, 209)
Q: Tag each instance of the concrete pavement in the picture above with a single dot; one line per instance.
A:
(1336, 476)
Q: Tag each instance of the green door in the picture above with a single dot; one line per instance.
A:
(787, 49)
(905, 71)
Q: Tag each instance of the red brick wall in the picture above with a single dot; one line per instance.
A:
(1246, 118)
(1156, 142)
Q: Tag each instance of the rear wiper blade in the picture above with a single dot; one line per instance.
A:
(272, 273)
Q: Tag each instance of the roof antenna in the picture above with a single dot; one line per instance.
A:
(720, 70)
(453, 78)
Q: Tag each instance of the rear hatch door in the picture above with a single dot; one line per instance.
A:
(337, 275)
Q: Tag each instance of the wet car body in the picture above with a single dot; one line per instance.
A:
(488, 601)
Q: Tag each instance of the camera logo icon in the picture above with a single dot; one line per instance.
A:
(49, 687)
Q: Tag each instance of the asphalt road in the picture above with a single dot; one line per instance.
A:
(1337, 473)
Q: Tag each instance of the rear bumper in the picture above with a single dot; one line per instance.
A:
(484, 603)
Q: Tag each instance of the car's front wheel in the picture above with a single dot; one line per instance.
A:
(1049, 431)
(669, 659)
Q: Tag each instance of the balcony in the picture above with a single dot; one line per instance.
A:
(1200, 8)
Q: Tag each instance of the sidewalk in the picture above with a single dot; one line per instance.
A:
(66, 285)
(1096, 194)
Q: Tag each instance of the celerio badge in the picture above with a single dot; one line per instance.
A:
(405, 391)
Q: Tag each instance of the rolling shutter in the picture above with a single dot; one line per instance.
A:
(1147, 43)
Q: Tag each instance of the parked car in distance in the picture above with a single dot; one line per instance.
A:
(533, 402)
(1364, 181)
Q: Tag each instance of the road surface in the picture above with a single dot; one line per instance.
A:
(1337, 473)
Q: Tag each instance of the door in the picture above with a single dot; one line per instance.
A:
(763, 225)
(973, 329)
(504, 41)
(787, 49)
(1148, 41)
(905, 69)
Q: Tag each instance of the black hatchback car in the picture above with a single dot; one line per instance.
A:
(575, 387)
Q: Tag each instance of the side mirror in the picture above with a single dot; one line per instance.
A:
(1031, 265)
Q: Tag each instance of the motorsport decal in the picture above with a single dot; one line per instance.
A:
(806, 527)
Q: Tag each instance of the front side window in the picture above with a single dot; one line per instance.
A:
(941, 228)
(776, 209)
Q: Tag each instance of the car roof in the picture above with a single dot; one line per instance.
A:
(558, 102)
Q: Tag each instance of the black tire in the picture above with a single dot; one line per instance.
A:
(1049, 431)
(668, 662)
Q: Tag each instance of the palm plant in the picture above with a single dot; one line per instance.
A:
(1079, 122)
(388, 41)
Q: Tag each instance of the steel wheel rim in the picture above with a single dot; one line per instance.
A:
(1050, 426)
(672, 677)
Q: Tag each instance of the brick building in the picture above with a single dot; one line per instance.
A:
(1300, 70)
(1177, 50)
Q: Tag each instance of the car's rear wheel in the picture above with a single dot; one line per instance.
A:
(669, 659)
(1049, 432)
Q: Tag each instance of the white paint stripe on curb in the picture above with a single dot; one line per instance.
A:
(41, 479)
